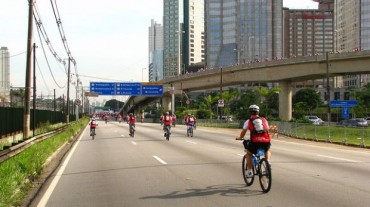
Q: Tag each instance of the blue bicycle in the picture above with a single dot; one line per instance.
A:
(190, 130)
(261, 167)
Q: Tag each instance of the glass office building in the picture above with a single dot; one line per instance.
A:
(240, 31)
(155, 51)
(4, 75)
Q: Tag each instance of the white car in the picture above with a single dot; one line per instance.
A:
(315, 120)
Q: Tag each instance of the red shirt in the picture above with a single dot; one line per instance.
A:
(167, 120)
(132, 120)
(93, 124)
(190, 120)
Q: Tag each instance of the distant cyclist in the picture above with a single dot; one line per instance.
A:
(259, 136)
(167, 121)
(174, 120)
(132, 121)
(190, 120)
(93, 125)
(119, 118)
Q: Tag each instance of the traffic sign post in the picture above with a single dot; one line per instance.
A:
(343, 103)
(221, 103)
(126, 89)
(103, 88)
(152, 90)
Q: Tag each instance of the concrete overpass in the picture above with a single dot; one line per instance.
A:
(284, 72)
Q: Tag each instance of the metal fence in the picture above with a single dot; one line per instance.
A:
(11, 119)
(330, 132)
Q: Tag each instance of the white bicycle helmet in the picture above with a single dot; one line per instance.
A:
(254, 108)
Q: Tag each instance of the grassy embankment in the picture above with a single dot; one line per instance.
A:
(19, 171)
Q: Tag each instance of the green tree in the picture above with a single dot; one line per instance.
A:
(114, 104)
(210, 100)
(229, 97)
(308, 99)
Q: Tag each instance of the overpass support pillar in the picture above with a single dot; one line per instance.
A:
(166, 103)
(285, 101)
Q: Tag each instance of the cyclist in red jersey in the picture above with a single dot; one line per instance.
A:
(132, 121)
(167, 121)
(259, 136)
(93, 125)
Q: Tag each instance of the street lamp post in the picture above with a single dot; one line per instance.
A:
(142, 74)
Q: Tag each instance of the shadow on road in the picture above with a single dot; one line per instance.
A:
(223, 190)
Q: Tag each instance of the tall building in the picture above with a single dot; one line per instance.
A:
(352, 33)
(193, 39)
(242, 31)
(172, 31)
(155, 51)
(4, 75)
(308, 31)
(183, 26)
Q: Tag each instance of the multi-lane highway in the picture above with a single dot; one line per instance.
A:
(205, 170)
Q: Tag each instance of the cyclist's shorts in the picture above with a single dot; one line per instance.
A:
(253, 146)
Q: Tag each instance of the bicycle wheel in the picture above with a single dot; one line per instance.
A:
(167, 134)
(247, 180)
(92, 133)
(191, 131)
(132, 132)
(265, 175)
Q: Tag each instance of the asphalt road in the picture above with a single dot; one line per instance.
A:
(205, 170)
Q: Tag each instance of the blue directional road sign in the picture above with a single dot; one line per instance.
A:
(103, 88)
(152, 90)
(345, 113)
(343, 103)
(128, 89)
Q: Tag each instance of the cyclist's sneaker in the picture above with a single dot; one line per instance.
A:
(249, 173)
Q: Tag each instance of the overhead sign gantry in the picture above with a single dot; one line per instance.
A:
(126, 88)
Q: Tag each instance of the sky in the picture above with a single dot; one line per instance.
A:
(108, 40)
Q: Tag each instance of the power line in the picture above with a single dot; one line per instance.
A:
(41, 27)
(61, 31)
(18, 54)
(47, 61)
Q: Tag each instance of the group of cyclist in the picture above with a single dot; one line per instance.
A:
(258, 126)
(168, 120)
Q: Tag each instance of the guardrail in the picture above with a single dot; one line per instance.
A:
(14, 150)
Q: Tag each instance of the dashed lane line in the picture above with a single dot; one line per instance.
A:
(160, 160)
(336, 158)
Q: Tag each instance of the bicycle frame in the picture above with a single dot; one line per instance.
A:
(261, 167)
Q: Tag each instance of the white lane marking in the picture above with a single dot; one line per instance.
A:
(59, 174)
(241, 155)
(336, 158)
(160, 160)
(134, 143)
(191, 142)
(122, 135)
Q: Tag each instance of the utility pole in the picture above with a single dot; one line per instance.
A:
(221, 94)
(77, 101)
(34, 89)
(68, 80)
(173, 99)
(328, 87)
(27, 117)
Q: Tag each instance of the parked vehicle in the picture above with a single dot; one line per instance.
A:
(315, 120)
(356, 122)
